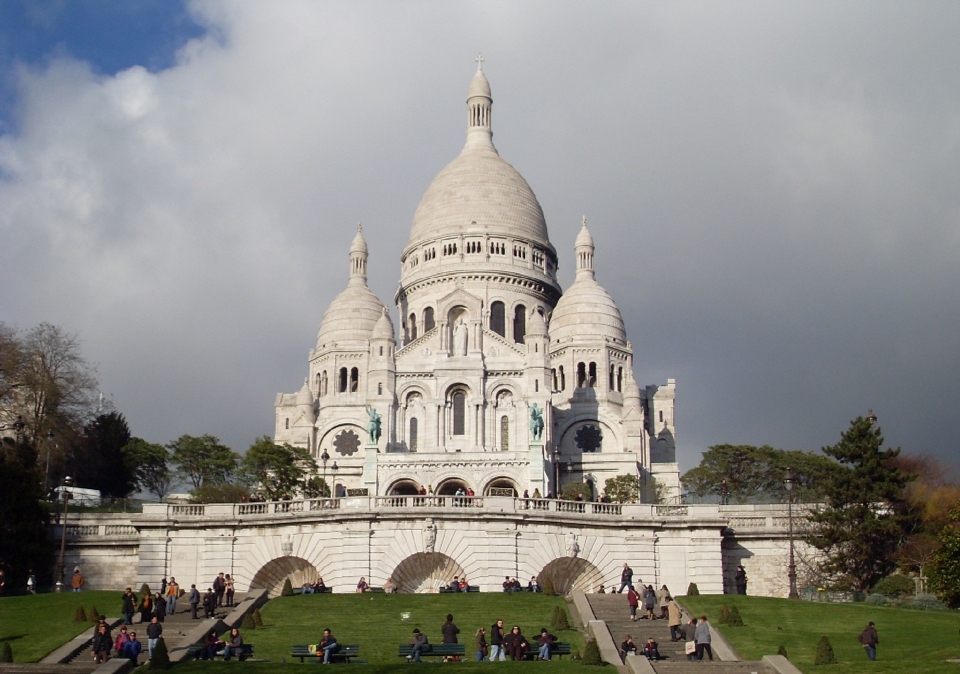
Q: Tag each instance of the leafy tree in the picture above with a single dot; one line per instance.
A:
(865, 518)
(757, 472)
(151, 466)
(278, 471)
(226, 492)
(623, 488)
(945, 570)
(573, 491)
(98, 461)
(316, 487)
(24, 538)
(203, 461)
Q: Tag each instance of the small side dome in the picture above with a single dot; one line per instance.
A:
(586, 310)
(305, 395)
(350, 317)
(536, 326)
(384, 327)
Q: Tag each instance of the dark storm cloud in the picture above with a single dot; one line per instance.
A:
(772, 190)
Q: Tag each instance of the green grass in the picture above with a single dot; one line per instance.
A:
(374, 622)
(36, 625)
(912, 641)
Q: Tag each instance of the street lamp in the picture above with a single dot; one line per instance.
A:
(788, 480)
(871, 417)
(556, 471)
(334, 468)
(67, 483)
(724, 492)
(17, 427)
(46, 474)
(324, 458)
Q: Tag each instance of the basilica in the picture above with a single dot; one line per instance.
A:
(494, 381)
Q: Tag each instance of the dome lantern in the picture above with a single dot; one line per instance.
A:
(358, 258)
(479, 104)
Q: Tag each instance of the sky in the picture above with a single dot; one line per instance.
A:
(772, 189)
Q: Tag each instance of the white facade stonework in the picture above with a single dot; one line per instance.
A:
(487, 341)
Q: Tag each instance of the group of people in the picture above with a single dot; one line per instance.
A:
(458, 584)
(513, 643)
(695, 633)
(316, 587)
(212, 644)
(126, 645)
(513, 585)
(656, 603)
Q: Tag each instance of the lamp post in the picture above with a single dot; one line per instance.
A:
(17, 427)
(556, 471)
(724, 492)
(792, 568)
(334, 468)
(324, 458)
(46, 474)
(67, 483)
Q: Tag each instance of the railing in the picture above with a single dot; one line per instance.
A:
(432, 501)
(672, 511)
(99, 531)
(191, 510)
(607, 508)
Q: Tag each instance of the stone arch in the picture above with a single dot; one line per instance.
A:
(271, 575)
(403, 487)
(449, 486)
(424, 572)
(571, 573)
(500, 482)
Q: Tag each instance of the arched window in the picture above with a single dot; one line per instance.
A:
(619, 379)
(459, 413)
(379, 388)
(592, 382)
(381, 350)
(519, 323)
(612, 383)
(504, 433)
(413, 327)
(412, 442)
(286, 423)
(343, 380)
(563, 379)
(536, 385)
(323, 384)
(319, 384)
(661, 415)
(354, 380)
(581, 375)
(428, 322)
(497, 320)
(553, 378)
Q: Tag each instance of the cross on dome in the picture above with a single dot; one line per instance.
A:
(479, 61)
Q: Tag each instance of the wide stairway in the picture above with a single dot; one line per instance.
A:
(614, 610)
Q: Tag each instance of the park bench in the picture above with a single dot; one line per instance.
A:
(436, 650)
(244, 652)
(326, 590)
(470, 588)
(347, 654)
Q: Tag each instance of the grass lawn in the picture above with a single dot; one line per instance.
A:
(375, 623)
(912, 641)
(35, 625)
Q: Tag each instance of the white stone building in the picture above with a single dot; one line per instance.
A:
(488, 343)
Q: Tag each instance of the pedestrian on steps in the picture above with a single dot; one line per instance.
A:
(634, 600)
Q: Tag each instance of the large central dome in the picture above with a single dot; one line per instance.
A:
(479, 191)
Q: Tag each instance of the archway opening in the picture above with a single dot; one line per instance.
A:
(425, 572)
(501, 486)
(571, 573)
(404, 488)
(271, 575)
(449, 487)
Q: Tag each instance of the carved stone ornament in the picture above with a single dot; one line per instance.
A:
(573, 548)
(346, 443)
(429, 536)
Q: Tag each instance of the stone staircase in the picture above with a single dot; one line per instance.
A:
(614, 610)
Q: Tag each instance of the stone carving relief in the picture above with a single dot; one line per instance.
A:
(430, 536)
(573, 548)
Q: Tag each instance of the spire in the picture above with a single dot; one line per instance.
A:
(358, 258)
(583, 247)
(479, 102)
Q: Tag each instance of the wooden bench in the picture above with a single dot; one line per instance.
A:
(244, 652)
(436, 650)
(470, 588)
(325, 590)
(347, 654)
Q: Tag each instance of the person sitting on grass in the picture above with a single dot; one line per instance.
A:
(319, 586)
(420, 645)
(132, 649)
(627, 647)
(210, 646)
(454, 585)
(235, 645)
(651, 649)
(328, 646)
(545, 643)
(533, 585)
(362, 585)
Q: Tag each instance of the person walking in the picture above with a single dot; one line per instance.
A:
(154, 630)
(702, 637)
(31, 582)
(649, 602)
(690, 639)
(146, 608)
(159, 607)
(194, 599)
(740, 580)
(129, 606)
(101, 645)
(482, 644)
(230, 590)
(663, 597)
(219, 588)
(209, 603)
(496, 642)
(77, 581)
(869, 639)
(173, 593)
(633, 599)
(626, 578)
(674, 620)
(132, 649)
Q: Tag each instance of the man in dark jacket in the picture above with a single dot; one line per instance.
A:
(740, 580)
(102, 643)
(194, 599)
(209, 603)
(869, 639)
(626, 578)
(219, 587)
(496, 642)
(154, 630)
(129, 606)
(328, 646)
(449, 630)
(545, 643)
(420, 645)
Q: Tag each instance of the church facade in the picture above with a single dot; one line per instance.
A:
(495, 381)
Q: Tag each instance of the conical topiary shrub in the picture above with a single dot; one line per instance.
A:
(724, 618)
(546, 587)
(692, 590)
(248, 623)
(559, 620)
(734, 619)
(93, 615)
(825, 654)
(145, 591)
(783, 651)
(591, 653)
(6, 653)
(287, 590)
(257, 619)
(161, 658)
(80, 616)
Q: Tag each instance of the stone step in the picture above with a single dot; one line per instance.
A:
(83, 667)
(714, 667)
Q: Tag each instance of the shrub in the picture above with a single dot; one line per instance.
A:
(144, 591)
(94, 615)
(734, 619)
(876, 600)
(559, 620)
(6, 653)
(591, 653)
(80, 616)
(724, 618)
(257, 619)
(692, 590)
(248, 622)
(287, 590)
(547, 588)
(895, 585)
(783, 651)
(923, 602)
(161, 658)
(825, 654)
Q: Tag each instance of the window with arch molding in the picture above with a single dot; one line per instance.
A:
(379, 388)
(581, 375)
(504, 433)
(519, 323)
(412, 436)
(498, 319)
(323, 384)
(428, 321)
(319, 385)
(354, 380)
(619, 379)
(413, 327)
(553, 377)
(459, 413)
(563, 379)
(612, 384)
(592, 380)
(343, 380)
(661, 415)
(286, 424)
